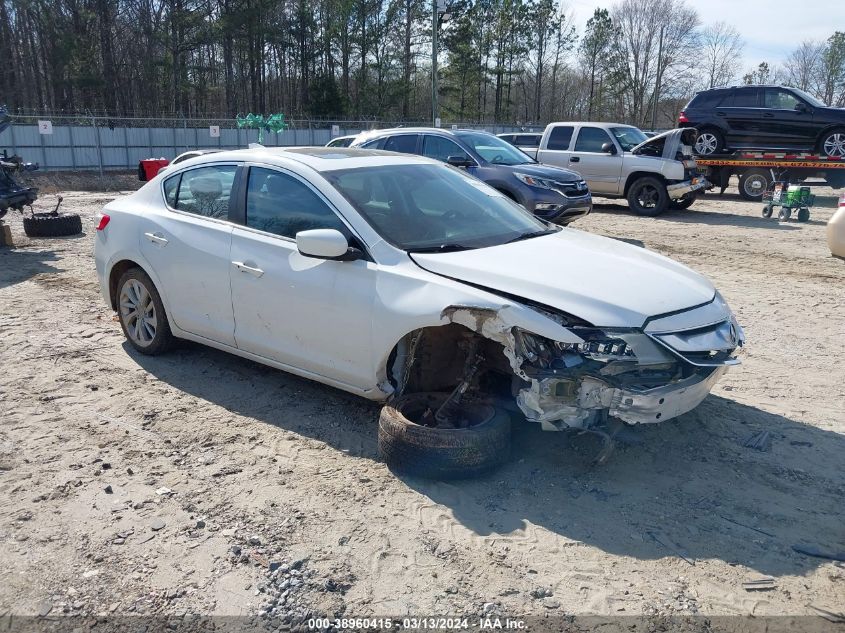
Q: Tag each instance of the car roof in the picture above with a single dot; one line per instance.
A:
(601, 124)
(317, 158)
(371, 134)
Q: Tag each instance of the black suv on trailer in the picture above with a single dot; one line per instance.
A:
(764, 117)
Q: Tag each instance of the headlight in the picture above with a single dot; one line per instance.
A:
(533, 181)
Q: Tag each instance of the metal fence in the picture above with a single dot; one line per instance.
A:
(108, 143)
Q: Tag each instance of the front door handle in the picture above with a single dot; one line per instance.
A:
(156, 238)
(720, 114)
(574, 159)
(255, 272)
(768, 115)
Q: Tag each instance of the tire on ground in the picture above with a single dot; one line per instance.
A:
(662, 202)
(413, 449)
(49, 225)
(681, 203)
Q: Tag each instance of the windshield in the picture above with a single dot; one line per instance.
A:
(809, 98)
(494, 150)
(433, 207)
(628, 137)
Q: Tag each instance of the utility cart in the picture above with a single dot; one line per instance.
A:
(788, 197)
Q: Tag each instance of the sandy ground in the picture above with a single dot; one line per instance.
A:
(202, 483)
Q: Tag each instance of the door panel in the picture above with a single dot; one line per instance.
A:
(742, 114)
(784, 126)
(309, 313)
(601, 170)
(190, 252)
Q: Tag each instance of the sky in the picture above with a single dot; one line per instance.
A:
(771, 29)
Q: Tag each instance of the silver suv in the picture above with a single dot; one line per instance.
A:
(620, 161)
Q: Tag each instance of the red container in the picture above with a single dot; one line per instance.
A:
(149, 167)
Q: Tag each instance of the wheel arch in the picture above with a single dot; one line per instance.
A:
(120, 266)
(634, 176)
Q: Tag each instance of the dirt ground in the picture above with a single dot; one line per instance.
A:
(201, 483)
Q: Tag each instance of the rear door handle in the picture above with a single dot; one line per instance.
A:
(255, 272)
(156, 238)
(574, 159)
(768, 115)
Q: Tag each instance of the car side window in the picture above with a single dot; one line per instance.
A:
(528, 141)
(590, 139)
(280, 204)
(206, 191)
(403, 143)
(745, 98)
(441, 148)
(560, 137)
(374, 144)
(171, 186)
(781, 99)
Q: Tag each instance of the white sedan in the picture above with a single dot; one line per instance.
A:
(401, 279)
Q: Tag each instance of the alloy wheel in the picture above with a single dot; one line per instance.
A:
(706, 143)
(834, 145)
(138, 312)
(648, 196)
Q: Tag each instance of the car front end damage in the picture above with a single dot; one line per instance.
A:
(639, 375)
(674, 149)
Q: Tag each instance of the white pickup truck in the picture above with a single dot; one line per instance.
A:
(620, 161)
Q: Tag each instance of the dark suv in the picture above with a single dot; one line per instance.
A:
(764, 117)
(551, 193)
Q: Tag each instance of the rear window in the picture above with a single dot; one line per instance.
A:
(707, 99)
(528, 140)
(560, 137)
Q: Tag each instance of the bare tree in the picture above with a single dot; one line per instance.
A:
(802, 65)
(721, 50)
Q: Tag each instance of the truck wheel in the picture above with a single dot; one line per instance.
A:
(49, 225)
(709, 141)
(681, 203)
(753, 183)
(832, 143)
(647, 196)
(408, 445)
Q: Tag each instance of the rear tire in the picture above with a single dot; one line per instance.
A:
(442, 453)
(49, 225)
(141, 313)
(753, 183)
(647, 196)
(832, 143)
(709, 141)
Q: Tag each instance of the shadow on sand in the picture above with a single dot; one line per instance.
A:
(687, 488)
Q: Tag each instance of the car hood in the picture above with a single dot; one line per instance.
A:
(601, 280)
(669, 142)
(544, 171)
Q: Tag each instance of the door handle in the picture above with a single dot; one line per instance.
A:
(255, 272)
(156, 238)
(720, 114)
(768, 115)
(574, 159)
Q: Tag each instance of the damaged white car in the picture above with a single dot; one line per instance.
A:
(402, 279)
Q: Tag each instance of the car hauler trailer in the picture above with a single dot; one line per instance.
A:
(758, 170)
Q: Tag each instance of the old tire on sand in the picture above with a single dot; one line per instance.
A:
(412, 448)
(49, 225)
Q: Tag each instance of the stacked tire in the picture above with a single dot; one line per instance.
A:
(52, 225)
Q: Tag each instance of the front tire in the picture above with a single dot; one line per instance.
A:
(832, 143)
(709, 141)
(648, 197)
(432, 452)
(141, 313)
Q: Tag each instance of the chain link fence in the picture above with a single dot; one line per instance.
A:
(86, 142)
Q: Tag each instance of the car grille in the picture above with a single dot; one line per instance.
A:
(573, 189)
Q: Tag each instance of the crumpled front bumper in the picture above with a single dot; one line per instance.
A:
(680, 189)
(666, 402)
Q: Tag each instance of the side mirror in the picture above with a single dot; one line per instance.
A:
(801, 107)
(608, 148)
(325, 244)
(460, 161)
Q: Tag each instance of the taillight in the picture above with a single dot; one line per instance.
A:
(104, 220)
(682, 117)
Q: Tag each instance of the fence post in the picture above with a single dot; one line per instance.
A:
(126, 144)
(99, 145)
(43, 149)
(72, 147)
(150, 141)
(311, 130)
